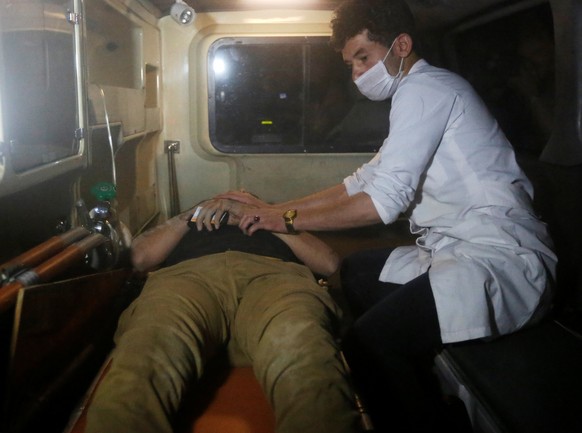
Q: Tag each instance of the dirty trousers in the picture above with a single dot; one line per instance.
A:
(275, 313)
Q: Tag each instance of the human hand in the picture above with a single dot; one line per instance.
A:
(209, 213)
(254, 219)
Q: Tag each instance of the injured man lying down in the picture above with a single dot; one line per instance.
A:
(213, 286)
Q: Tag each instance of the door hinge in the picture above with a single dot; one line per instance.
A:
(73, 17)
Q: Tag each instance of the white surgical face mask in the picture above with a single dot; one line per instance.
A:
(376, 83)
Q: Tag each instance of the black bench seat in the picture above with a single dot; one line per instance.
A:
(527, 382)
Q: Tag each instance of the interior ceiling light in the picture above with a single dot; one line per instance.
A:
(182, 13)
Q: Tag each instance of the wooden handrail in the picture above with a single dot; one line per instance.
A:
(49, 268)
(43, 251)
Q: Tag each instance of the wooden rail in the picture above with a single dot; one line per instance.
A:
(48, 269)
(43, 251)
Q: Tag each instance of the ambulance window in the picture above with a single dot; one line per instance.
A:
(39, 87)
(288, 95)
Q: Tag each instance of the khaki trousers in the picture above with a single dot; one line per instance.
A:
(275, 313)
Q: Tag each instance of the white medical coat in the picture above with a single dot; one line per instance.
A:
(449, 167)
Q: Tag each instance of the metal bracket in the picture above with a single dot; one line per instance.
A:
(79, 134)
(171, 146)
(73, 17)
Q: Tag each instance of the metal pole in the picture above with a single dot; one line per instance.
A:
(171, 148)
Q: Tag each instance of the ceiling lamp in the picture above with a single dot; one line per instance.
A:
(182, 13)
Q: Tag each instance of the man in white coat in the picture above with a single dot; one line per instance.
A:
(483, 264)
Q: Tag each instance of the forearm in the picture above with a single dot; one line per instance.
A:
(153, 246)
(344, 213)
(319, 199)
(313, 252)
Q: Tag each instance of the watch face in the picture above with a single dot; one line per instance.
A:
(289, 216)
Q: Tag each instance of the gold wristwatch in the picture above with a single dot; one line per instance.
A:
(289, 217)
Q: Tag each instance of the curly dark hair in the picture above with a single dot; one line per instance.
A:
(384, 20)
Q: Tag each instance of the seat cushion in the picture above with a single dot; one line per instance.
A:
(529, 382)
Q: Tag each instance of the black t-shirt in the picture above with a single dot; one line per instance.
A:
(229, 238)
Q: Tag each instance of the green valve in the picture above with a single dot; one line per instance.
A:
(104, 191)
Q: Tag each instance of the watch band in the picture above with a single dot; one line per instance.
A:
(289, 217)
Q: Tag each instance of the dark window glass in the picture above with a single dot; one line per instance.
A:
(286, 95)
(39, 94)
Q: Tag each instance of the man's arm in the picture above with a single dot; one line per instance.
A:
(316, 254)
(152, 247)
(346, 212)
(312, 251)
(318, 199)
(325, 198)
(330, 209)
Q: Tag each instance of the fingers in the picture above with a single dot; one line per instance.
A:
(210, 215)
(250, 223)
(262, 219)
(214, 220)
(204, 218)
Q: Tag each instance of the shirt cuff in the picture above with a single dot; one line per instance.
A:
(381, 211)
(352, 185)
